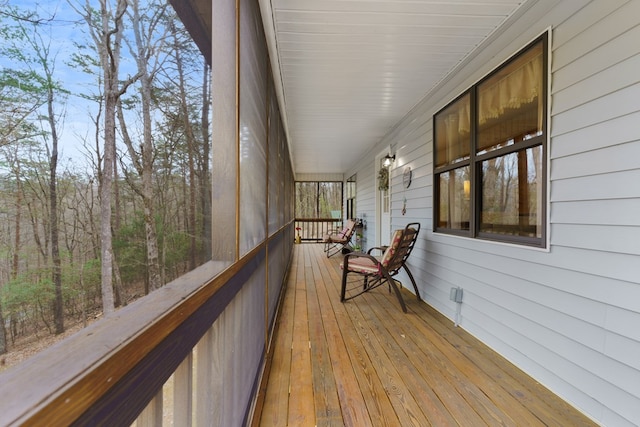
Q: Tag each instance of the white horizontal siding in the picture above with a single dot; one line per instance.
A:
(591, 28)
(614, 185)
(616, 131)
(411, 151)
(568, 315)
(619, 103)
(614, 212)
(623, 157)
(603, 82)
(598, 237)
(365, 199)
(595, 193)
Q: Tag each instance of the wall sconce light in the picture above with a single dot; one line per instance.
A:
(388, 159)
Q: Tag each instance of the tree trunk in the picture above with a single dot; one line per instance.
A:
(106, 246)
(16, 248)
(191, 147)
(116, 195)
(153, 265)
(58, 305)
(108, 42)
(49, 88)
(205, 182)
(144, 161)
(3, 334)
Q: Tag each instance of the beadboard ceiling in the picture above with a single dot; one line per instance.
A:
(348, 70)
(351, 69)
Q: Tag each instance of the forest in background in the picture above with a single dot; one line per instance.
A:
(92, 219)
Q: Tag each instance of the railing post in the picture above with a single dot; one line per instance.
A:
(151, 416)
(314, 229)
(182, 392)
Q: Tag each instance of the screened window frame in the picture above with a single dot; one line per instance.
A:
(475, 160)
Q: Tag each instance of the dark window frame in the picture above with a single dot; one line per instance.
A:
(475, 160)
(350, 190)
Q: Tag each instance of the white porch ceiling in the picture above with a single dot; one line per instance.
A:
(349, 70)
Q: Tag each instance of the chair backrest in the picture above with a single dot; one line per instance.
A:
(402, 244)
(347, 231)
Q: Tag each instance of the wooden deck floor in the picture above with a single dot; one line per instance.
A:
(366, 363)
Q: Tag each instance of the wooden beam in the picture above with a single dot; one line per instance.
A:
(196, 17)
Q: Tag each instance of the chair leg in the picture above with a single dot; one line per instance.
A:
(343, 289)
(394, 285)
(415, 287)
(333, 249)
(365, 283)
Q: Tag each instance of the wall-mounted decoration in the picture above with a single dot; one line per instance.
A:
(406, 177)
(383, 179)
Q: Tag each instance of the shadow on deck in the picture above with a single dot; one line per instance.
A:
(365, 363)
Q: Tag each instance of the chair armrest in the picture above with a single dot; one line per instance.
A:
(379, 248)
(359, 255)
(338, 230)
(346, 258)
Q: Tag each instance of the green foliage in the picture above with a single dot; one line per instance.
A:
(73, 278)
(81, 287)
(130, 250)
(179, 243)
(25, 296)
(84, 57)
(91, 274)
(129, 246)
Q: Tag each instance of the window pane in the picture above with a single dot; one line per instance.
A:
(510, 103)
(306, 193)
(454, 200)
(351, 197)
(276, 164)
(330, 199)
(452, 132)
(351, 187)
(318, 199)
(512, 194)
(224, 127)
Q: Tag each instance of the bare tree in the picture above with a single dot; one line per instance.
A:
(42, 52)
(205, 182)
(37, 79)
(13, 162)
(147, 44)
(107, 34)
(191, 149)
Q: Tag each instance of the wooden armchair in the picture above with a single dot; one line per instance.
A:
(375, 271)
(336, 240)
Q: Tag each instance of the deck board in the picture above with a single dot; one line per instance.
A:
(301, 398)
(364, 400)
(276, 400)
(326, 395)
(366, 363)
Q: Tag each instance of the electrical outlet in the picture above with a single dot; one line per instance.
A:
(455, 294)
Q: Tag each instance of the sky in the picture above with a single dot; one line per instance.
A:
(63, 30)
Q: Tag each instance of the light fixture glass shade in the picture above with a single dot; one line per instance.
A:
(388, 159)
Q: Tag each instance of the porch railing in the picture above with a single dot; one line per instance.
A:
(208, 330)
(314, 229)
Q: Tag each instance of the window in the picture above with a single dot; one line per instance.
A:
(350, 191)
(490, 154)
